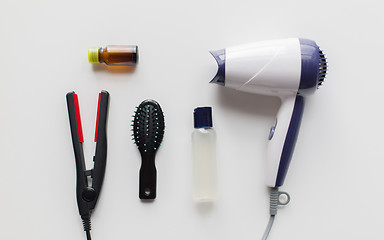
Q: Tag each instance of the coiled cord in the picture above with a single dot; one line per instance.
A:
(274, 202)
(87, 226)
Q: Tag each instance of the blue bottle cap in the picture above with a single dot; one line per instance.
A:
(203, 117)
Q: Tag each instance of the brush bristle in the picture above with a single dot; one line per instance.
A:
(148, 126)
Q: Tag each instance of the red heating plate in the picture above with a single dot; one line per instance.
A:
(97, 117)
(78, 119)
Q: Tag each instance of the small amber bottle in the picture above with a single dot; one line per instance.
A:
(114, 55)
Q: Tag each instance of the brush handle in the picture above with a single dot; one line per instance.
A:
(148, 173)
(283, 139)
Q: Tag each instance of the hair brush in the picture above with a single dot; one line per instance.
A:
(148, 131)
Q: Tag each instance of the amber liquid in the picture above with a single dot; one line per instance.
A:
(119, 55)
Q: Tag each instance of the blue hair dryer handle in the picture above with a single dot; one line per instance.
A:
(290, 140)
(283, 139)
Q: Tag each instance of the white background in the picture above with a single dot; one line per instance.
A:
(335, 179)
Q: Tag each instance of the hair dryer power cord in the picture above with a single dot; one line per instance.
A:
(88, 235)
(269, 226)
(87, 226)
(274, 201)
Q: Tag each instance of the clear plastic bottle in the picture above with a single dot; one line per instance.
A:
(204, 156)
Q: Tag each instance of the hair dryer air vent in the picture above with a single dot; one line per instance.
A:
(219, 56)
(322, 68)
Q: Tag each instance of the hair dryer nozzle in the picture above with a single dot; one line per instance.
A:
(313, 67)
(219, 56)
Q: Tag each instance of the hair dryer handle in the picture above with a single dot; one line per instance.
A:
(283, 139)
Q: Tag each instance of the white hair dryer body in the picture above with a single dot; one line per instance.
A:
(289, 69)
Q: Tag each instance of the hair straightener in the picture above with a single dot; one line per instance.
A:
(89, 182)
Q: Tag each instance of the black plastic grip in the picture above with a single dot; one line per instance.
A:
(81, 179)
(148, 173)
(100, 158)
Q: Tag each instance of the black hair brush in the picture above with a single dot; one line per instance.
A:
(148, 131)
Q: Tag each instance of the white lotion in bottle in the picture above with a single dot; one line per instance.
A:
(204, 156)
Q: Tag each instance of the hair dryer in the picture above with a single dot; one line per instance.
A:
(289, 69)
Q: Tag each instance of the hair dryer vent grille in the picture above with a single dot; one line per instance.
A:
(322, 68)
